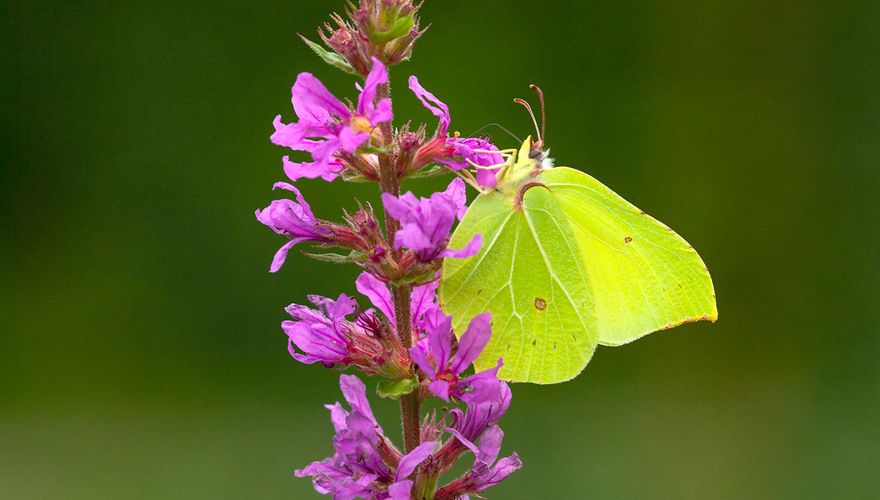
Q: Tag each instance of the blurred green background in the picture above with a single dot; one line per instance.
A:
(141, 354)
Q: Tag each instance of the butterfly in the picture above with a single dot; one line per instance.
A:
(566, 265)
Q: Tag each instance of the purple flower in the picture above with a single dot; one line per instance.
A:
(293, 219)
(481, 413)
(401, 488)
(359, 467)
(426, 222)
(326, 126)
(462, 152)
(473, 149)
(324, 334)
(444, 369)
(487, 470)
(321, 334)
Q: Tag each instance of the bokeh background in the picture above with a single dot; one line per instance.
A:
(140, 348)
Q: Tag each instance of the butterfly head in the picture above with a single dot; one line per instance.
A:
(524, 167)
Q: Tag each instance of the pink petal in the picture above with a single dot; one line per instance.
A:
(423, 298)
(378, 76)
(413, 237)
(291, 135)
(313, 103)
(471, 344)
(400, 490)
(465, 441)
(281, 256)
(299, 197)
(323, 151)
(337, 416)
(349, 140)
(355, 393)
(490, 444)
(421, 360)
(382, 113)
(504, 468)
(437, 107)
(440, 337)
(325, 170)
(469, 250)
(486, 178)
(372, 288)
(411, 460)
(440, 388)
(457, 192)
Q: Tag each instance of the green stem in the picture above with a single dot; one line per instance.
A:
(389, 182)
(425, 487)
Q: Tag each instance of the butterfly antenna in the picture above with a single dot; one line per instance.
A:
(494, 124)
(540, 93)
(528, 107)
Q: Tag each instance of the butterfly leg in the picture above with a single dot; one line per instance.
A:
(509, 156)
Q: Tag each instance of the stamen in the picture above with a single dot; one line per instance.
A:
(360, 124)
(468, 178)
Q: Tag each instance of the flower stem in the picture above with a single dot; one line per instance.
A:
(389, 182)
(425, 487)
(409, 404)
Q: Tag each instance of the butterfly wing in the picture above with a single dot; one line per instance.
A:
(531, 276)
(644, 277)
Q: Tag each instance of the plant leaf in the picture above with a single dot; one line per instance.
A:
(335, 258)
(395, 389)
(331, 58)
(400, 27)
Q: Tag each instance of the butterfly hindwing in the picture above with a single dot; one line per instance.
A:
(530, 275)
(644, 277)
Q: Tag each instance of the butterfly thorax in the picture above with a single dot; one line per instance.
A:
(522, 171)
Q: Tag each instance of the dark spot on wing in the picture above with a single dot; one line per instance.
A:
(627, 240)
(479, 291)
(535, 342)
(540, 304)
(554, 346)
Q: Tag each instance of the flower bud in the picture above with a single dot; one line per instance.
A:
(437, 147)
(391, 26)
(345, 41)
(408, 144)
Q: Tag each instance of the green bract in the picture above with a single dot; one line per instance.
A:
(566, 263)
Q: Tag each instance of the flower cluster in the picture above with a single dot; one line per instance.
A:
(384, 29)
(365, 463)
(345, 140)
(405, 339)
